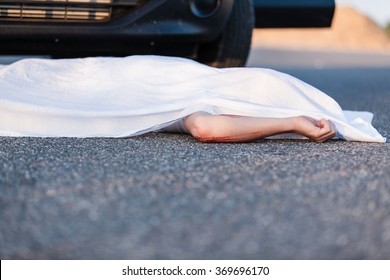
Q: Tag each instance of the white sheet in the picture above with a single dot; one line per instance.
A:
(121, 97)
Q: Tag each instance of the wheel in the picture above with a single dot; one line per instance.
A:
(232, 47)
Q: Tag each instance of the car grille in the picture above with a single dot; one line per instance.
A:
(63, 10)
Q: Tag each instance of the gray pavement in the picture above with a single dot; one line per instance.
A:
(163, 196)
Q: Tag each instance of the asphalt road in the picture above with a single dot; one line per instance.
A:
(163, 196)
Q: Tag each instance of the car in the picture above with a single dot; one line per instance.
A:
(215, 32)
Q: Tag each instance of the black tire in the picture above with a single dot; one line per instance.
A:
(231, 49)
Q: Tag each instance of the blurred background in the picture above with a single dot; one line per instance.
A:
(359, 25)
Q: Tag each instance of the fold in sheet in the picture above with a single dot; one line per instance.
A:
(122, 97)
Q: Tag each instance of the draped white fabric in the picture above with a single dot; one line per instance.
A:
(121, 97)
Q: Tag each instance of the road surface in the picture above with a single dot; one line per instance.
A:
(162, 196)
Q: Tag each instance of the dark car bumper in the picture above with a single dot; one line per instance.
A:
(294, 13)
(156, 26)
(168, 27)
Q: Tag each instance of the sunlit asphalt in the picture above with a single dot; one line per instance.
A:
(162, 196)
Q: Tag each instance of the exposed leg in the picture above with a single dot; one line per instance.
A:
(231, 128)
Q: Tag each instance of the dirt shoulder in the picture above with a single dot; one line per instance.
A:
(350, 31)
